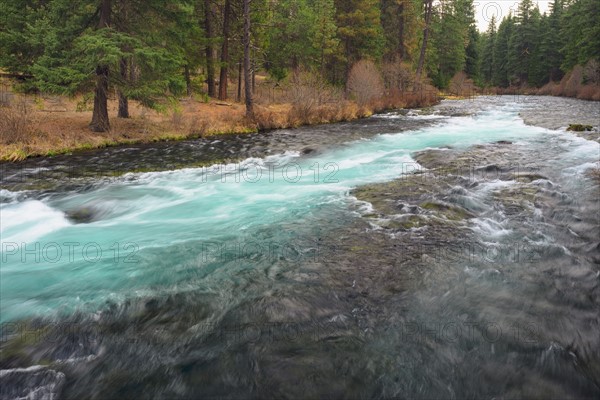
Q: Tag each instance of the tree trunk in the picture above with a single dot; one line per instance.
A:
(100, 122)
(428, 11)
(188, 80)
(401, 47)
(253, 76)
(240, 75)
(210, 50)
(225, 52)
(123, 101)
(247, 77)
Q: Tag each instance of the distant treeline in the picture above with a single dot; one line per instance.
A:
(533, 49)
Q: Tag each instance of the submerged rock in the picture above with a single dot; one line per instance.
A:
(594, 173)
(580, 128)
(33, 383)
(528, 176)
(448, 211)
(83, 215)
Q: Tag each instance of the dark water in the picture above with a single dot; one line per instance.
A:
(454, 254)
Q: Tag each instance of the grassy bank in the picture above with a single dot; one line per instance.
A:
(46, 126)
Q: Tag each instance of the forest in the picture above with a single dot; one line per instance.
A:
(154, 51)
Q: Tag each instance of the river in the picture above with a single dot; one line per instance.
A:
(452, 252)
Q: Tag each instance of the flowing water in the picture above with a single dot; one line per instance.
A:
(443, 253)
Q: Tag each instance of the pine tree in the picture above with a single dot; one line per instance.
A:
(450, 39)
(472, 53)
(552, 42)
(209, 15)
(359, 30)
(400, 25)
(500, 71)
(302, 33)
(522, 43)
(488, 54)
(581, 32)
(427, 21)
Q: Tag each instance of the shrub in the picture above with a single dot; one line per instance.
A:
(397, 77)
(573, 81)
(548, 88)
(365, 83)
(589, 92)
(591, 72)
(309, 92)
(16, 121)
(461, 85)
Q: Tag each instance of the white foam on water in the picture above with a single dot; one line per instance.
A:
(8, 197)
(29, 221)
(489, 228)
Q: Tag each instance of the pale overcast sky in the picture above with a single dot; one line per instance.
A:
(484, 10)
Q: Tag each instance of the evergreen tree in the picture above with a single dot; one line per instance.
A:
(302, 33)
(450, 37)
(400, 25)
(359, 30)
(472, 53)
(552, 42)
(20, 41)
(500, 64)
(581, 32)
(521, 46)
(488, 56)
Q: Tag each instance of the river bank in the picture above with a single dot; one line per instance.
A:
(48, 126)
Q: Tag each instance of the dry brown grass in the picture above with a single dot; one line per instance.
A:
(50, 132)
(16, 122)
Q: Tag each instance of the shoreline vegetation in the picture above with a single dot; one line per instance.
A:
(37, 125)
(46, 126)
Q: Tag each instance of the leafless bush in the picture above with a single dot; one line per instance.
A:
(591, 72)
(16, 122)
(572, 82)
(308, 92)
(548, 89)
(589, 92)
(365, 83)
(581, 82)
(397, 77)
(461, 85)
